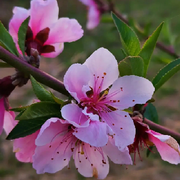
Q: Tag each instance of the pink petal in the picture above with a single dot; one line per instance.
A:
(73, 114)
(2, 112)
(117, 156)
(25, 147)
(20, 14)
(9, 121)
(96, 134)
(76, 81)
(65, 30)
(127, 91)
(58, 49)
(103, 66)
(93, 17)
(87, 2)
(123, 127)
(52, 157)
(43, 14)
(90, 164)
(167, 147)
(49, 131)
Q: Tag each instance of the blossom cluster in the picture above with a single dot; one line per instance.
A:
(96, 124)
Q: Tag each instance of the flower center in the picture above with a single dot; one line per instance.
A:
(38, 42)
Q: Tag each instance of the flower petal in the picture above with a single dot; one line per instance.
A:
(49, 131)
(93, 163)
(73, 114)
(117, 156)
(167, 147)
(43, 14)
(96, 134)
(65, 30)
(52, 157)
(93, 17)
(2, 112)
(58, 48)
(20, 14)
(76, 81)
(9, 121)
(103, 66)
(25, 147)
(123, 127)
(127, 91)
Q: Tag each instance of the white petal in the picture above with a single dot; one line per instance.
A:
(93, 163)
(127, 91)
(103, 66)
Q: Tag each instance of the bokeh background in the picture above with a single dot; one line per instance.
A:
(149, 14)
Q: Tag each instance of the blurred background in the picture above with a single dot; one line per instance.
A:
(148, 14)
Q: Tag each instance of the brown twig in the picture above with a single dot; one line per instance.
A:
(26, 68)
(162, 129)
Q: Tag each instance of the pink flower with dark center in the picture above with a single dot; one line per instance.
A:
(56, 144)
(167, 146)
(94, 13)
(101, 98)
(46, 32)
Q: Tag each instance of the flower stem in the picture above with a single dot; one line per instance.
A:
(162, 129)
(26, 68)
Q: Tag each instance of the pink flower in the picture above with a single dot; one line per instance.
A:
(167, 146)
(56, 144)
(101, 99)
(46, 32)
(94, 13)
(6, 87)
(25, 147)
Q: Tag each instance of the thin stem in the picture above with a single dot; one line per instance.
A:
(161, 46)
(162, 129)
(26, 68)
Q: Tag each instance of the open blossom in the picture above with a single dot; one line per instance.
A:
(101, 98)
(46, 32)
(56, 144)
(94, 13)
(167, 146)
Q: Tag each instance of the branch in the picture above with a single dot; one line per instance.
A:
(161, 46)
(162, 129)
(26, 68)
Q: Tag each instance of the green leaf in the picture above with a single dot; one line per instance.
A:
(22, 35)
(41, 93)
(151, 113)
(148, 47)
(7, 41)
(166, 73)
(132, 65)
(40, 110)
(25, 128)
(57, 100)
(128, 37)
(5, 65)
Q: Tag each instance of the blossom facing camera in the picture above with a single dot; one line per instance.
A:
(101, 99)
(56, 144)
(46, 33)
